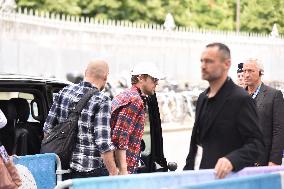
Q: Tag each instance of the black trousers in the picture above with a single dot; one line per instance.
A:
(95, 173)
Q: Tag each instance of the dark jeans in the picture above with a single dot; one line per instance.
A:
(95, 173)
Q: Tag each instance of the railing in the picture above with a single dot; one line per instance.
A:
(170, 179)
(53, 45)
(45, 168)
(87, 24)
(36, 17)
(177, 106)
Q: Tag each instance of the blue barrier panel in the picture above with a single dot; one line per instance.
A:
(262, 181)
(258, 170)
(144, 181)
(42, 166)
(162, 180)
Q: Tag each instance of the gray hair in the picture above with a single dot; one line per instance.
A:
(258, 64)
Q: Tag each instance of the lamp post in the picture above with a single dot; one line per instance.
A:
(238, 7)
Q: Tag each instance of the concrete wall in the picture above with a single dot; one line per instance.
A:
(44, 44)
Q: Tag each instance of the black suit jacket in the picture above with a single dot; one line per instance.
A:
(233, 132)
(270, 106)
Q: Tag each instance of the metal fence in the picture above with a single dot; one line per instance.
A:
(250, 177)
(40, 43)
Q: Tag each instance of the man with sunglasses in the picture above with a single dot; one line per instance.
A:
(128, 116)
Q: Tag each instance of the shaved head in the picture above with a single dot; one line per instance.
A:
(97, 69)
(97, 73)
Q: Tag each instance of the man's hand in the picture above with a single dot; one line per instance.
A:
(272, 164)
(109, 162)
(120, 159)
(223, 167)
(113, 173)
(123, 171)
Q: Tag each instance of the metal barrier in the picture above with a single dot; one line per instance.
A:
(159, 180)
(263, 181)
(64, 184)
(59, 170)
(45, 168)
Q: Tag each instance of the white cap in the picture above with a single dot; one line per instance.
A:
(147, 68)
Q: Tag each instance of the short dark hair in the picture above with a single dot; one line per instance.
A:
(224, 49)
(134, 78)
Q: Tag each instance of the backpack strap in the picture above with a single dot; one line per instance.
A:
(83, 101)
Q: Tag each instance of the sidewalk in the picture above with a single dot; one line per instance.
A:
(178, 126)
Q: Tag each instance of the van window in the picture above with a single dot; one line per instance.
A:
(6, 96)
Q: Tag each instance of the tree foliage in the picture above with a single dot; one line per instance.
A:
(256, 15)
(260, 15)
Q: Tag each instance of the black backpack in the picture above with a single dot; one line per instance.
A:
(62, 139)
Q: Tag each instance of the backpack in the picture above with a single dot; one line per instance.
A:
(62, 139)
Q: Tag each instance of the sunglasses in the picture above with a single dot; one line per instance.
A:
(155, 80)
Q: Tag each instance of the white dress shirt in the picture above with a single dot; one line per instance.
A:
(3, 120)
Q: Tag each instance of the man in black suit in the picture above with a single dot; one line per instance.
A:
(270, 106)
(226, 133)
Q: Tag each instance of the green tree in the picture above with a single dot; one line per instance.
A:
(256, 15)
(260, 15)
(212, 14)
(57, 6)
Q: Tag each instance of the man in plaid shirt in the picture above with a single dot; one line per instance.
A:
(128, 117)
(93, 153)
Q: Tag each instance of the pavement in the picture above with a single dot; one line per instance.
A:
(176, 138)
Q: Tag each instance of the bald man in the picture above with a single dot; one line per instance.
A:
(93, 153)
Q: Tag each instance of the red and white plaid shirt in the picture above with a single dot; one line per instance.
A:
(127, 123)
